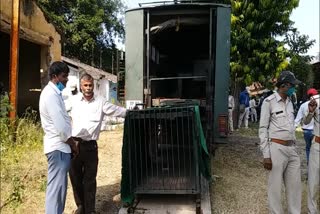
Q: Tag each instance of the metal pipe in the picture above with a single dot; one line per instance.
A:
(172, 143)
(183, 145)
(14, 57)
(148, 104)
(178, 78)
(161, 158)
(178, 141)
(210, 34)
(131, 170)
(112, 64)
(140, 159)
(167, 150)
(135, 153)
(176, 2)
(189, 140)
(145, 147)
(118, 60)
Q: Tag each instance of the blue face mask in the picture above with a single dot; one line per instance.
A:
(60, 86)
(291, 91)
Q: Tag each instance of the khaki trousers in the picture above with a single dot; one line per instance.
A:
(254, 117)
(244, 116)
(313, 178)
(230, 119)
(285, 168)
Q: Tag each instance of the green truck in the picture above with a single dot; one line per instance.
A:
(180, 51)
(177, 75)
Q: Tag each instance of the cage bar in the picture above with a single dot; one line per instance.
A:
(163, 151)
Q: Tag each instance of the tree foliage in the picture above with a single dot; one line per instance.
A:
(256, 53)
(87, 27)
(299, 61)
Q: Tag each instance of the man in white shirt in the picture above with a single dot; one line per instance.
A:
(278, 145)
(87, 112)
(314, 162)
(68, 94)
(57, 139)
(307, 128)
(230, 110)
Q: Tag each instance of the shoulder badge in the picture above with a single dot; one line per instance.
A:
(271, 97)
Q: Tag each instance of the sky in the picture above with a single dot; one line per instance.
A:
(306, 17)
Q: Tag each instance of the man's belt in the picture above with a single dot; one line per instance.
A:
(283, 142)
(229, 107)
(317, 139)
(81, 140)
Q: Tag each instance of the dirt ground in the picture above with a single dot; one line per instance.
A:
(240, 182)
(239, 185)
(109, 175)
(239, 179)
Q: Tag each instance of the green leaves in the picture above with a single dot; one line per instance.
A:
(256, 53)
(299, 62)
(87, 27)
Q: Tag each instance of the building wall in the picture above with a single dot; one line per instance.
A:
(101, 86)
(39, 45)
(34, 28)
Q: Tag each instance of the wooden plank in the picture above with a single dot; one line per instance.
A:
(26, 33)
(205, 196)
(14, 58)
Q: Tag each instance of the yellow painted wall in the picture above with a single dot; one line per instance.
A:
(35, 21)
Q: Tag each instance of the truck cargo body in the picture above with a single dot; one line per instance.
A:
(180, 51)
(177, 57)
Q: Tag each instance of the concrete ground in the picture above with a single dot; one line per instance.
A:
(172, 204)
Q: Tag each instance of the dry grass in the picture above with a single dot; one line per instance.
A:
(28, 165)
(23, 175)
(22, 164)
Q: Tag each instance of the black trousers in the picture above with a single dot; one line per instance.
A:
(83, 175)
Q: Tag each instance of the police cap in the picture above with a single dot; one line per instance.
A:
(287, 77)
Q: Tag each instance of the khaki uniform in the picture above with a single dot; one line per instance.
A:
(277, 122)
(230, 110)
(314, 162)
(244, 116)
(253, 111)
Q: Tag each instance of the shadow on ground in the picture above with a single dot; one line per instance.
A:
(240, 182)
(107, 199)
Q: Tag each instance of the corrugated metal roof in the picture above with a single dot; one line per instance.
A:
(96, 73)
(316, 59)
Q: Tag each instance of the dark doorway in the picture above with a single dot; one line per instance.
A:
(29, 81)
